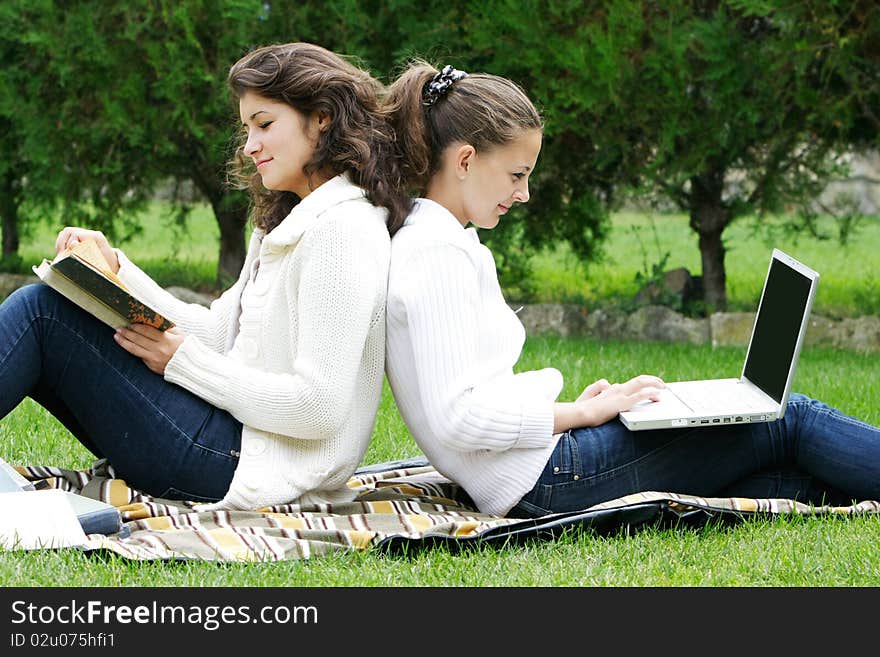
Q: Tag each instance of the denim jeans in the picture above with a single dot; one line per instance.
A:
(814, 454)
(159, 437)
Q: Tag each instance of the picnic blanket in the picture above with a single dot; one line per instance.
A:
(399, 506)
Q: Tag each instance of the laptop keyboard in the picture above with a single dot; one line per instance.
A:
(706, 398)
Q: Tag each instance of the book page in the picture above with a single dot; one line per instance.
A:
(89, 252)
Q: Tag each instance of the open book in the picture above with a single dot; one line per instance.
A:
(83, 275)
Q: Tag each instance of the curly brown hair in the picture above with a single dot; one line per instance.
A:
(359, 140)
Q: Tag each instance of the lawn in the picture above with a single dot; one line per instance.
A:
(849, 284)
(775, 552)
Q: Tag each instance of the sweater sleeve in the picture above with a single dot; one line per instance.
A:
(213, 326)
(340, 295)
(471, 404)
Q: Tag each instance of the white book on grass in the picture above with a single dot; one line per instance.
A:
(93, 516)
(11, 480)
(38, 519)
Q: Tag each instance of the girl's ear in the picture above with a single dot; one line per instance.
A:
(464, 157)
(323, 121)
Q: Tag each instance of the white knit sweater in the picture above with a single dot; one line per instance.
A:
(451, 347)
(294, 349)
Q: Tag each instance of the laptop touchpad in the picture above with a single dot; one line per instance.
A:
(667, 406)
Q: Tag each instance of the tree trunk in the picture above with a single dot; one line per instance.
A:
(231, 213)
(709, 217)
(9, 211)
(232, 244)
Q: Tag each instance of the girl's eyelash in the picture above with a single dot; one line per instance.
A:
(261, 126)
(519, 176)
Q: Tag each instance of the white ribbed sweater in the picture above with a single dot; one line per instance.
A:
(452, 343)
(297, 353)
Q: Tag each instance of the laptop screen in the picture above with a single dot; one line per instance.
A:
(784, 302)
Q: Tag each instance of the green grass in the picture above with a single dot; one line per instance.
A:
(783, 552)
(774, 552)
(173, 254)
(849, 284)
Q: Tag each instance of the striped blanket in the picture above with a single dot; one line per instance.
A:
(402, 505)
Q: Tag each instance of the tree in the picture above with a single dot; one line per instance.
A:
(120, 97)
(55, 156)
(726, 109)
(10, 193)
(13, 164)
(126, 96)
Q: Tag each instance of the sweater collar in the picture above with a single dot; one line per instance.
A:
(438, 219)
(310, 210)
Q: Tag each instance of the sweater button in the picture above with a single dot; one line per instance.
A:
(556, 469)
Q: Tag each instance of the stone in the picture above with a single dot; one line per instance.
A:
(860, 333)
(731, 329)
(9, 283)
(677, 284)
(660, 323)
(606, 324)
(190, 296)
(822, 331)
(556, 318)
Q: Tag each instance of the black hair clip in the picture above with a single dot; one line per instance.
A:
(438, 86)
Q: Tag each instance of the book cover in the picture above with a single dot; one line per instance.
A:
(95, 516)
(82, 275)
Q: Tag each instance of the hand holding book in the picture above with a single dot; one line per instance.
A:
(72, 236)
(151, 345)
(82, 274)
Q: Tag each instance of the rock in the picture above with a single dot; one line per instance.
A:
(731, 329)
(677, 285)
(606, 324)
(665, 325)
(190, 296)
(9, 283)
(861, 334)
(556, 318)
(821, 331)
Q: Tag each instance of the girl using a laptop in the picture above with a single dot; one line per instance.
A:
(469, 144)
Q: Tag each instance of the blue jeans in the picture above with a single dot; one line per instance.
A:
(159, 437)
(814, 454)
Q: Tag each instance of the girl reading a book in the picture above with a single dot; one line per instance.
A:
(469, 144)
(270, 395)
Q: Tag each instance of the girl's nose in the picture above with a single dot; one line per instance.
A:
(252, 145)
(522, 195)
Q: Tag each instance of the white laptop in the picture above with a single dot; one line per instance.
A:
(761, 392)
